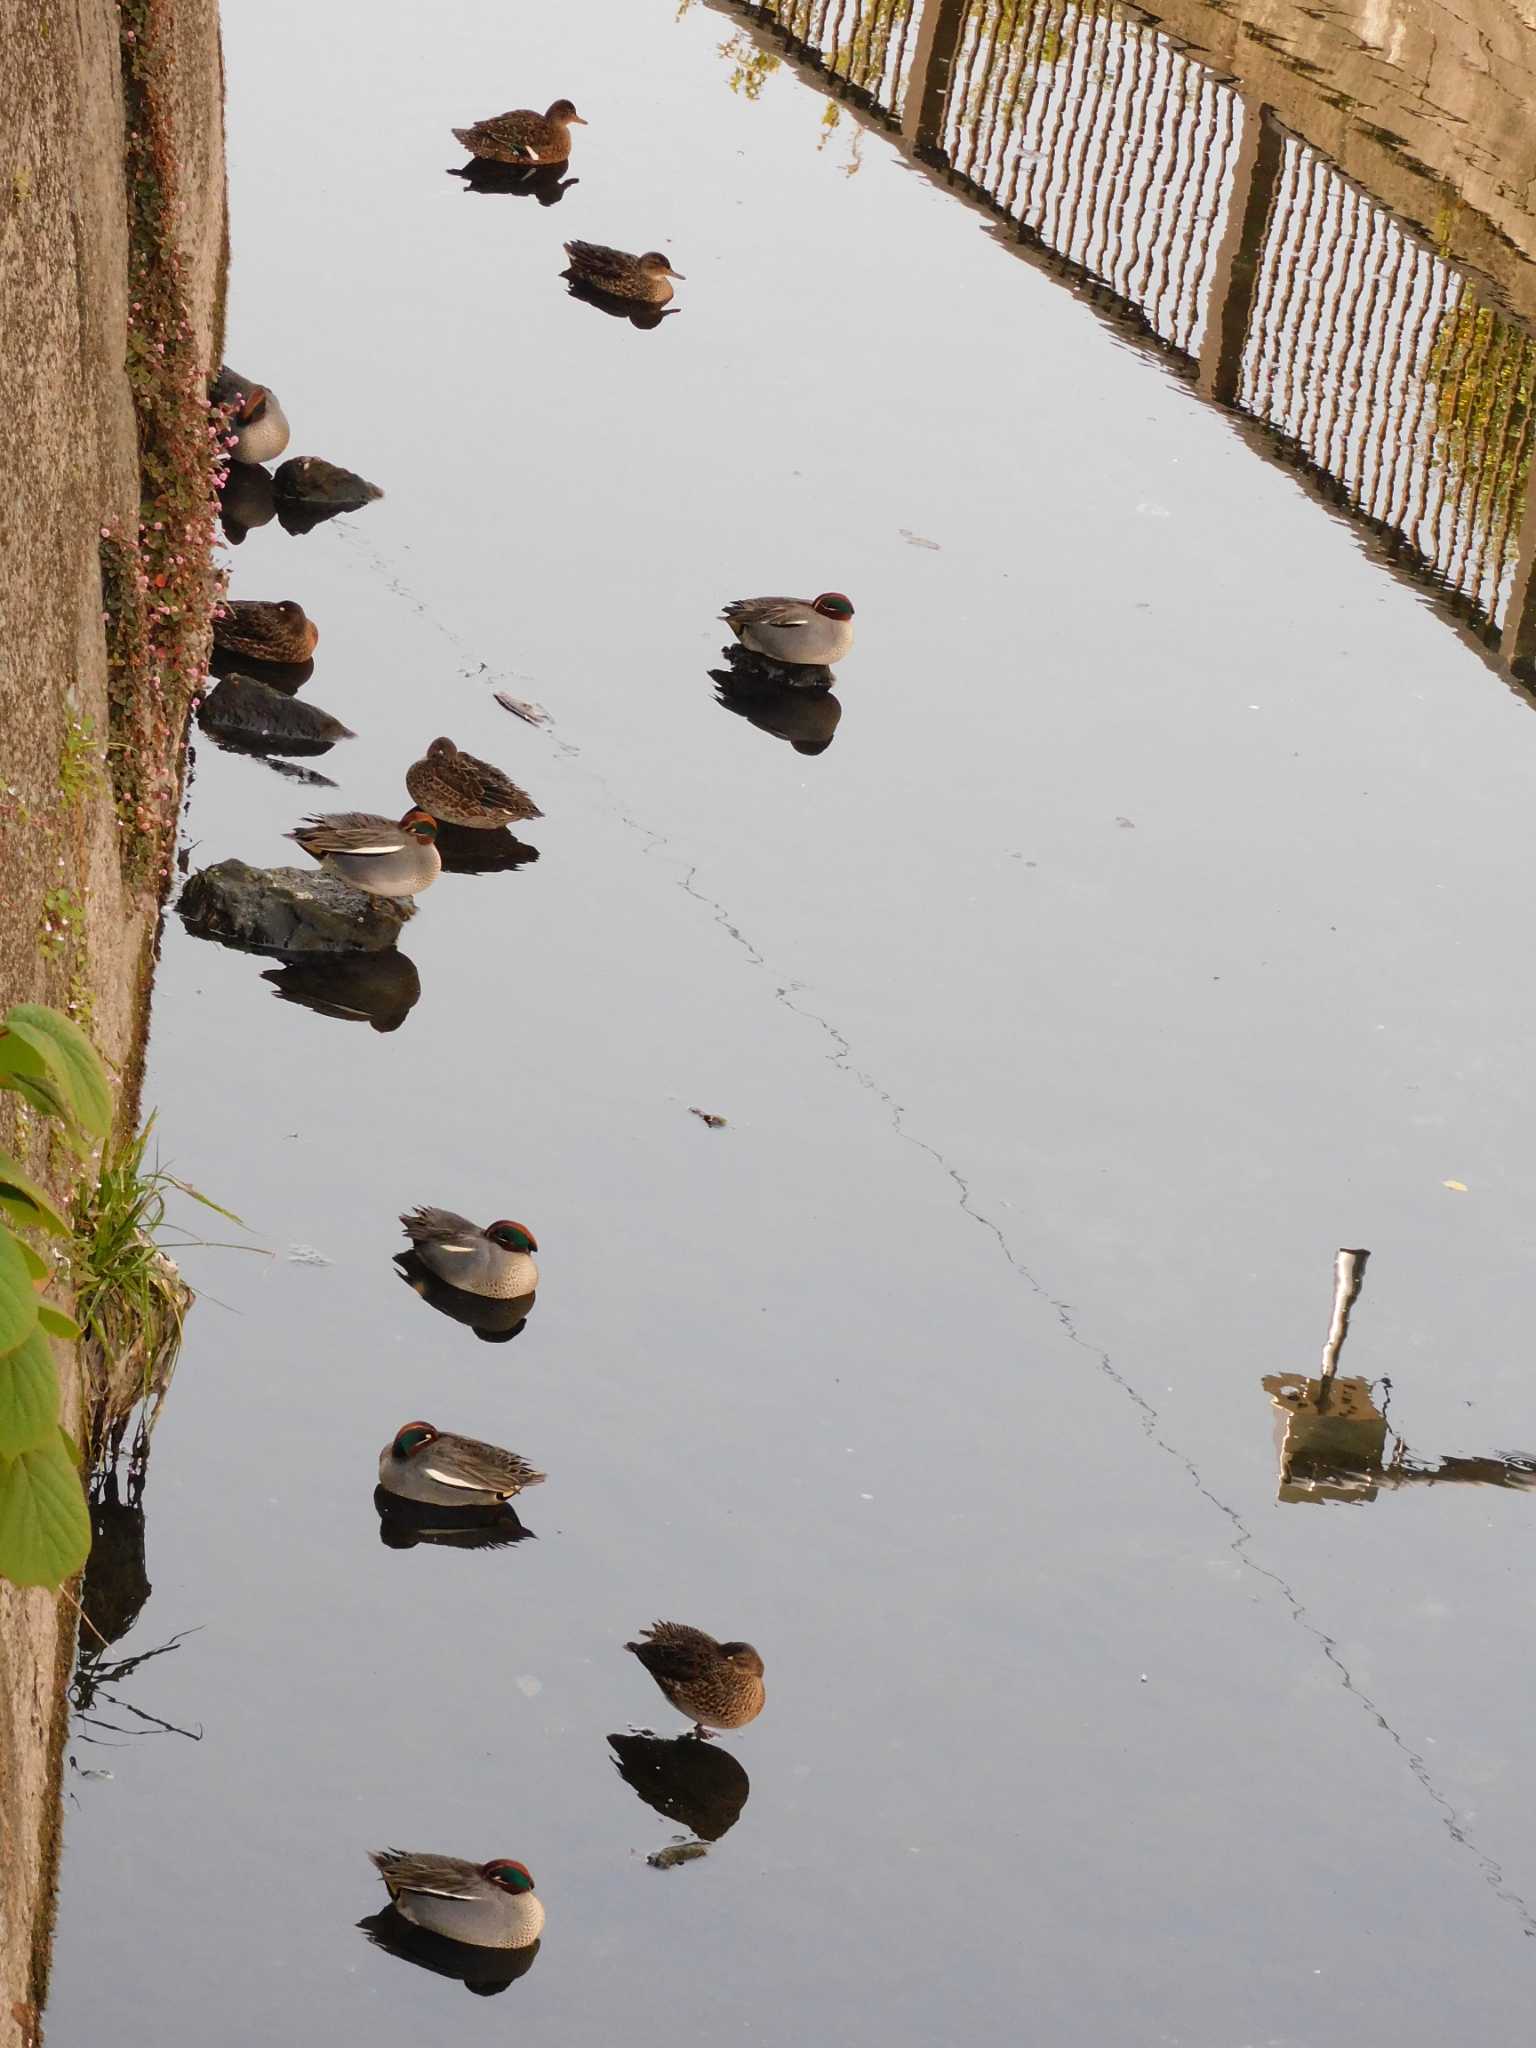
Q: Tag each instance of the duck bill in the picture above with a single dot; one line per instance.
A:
(576, 121)
(677, 274)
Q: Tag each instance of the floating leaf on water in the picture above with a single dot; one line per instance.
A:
(1457, 1187)
(675, 1853)
(706, 1116)
(916, 540)
(531, 714)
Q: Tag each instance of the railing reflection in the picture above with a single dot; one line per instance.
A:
(1333, 1440)
(1394, 379)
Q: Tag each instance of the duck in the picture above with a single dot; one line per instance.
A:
(496, 1262)
(461, 789)
(265, 631)
(796, 631)
(423, 1463)
(716, 1685)
(257, 421)
(486, 1905)
(374, 854)
(620, 275)
(522, 136)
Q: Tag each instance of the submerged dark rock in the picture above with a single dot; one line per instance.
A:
(288, 910)
(245, 710)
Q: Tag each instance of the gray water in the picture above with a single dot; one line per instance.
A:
(1155, 924)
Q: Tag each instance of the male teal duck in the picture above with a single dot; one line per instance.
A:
(717, 1685)
(522, 136)
(792, 630)
(461, 789)
(620, 275)
(374, 854)
(496, 1262)
(264, 631)
(257, 421)
(487, 1905)
(447, 1471)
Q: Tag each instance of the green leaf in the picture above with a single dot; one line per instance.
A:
(45, 1527)
(29, 1397)
(17, 1056)
(35, 1264)
(18, 1304)
(26, 1201)
(55, 1322)
(72, 1061)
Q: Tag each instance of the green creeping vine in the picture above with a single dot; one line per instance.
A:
(45, 1528)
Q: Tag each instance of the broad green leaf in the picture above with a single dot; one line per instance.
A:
(18, 1057)
(18, 1304)
(55, 1322)
(39, 1093)
(73, 1063)
(45, 1527)
(26, 1201)
(29, 1396)
(35, 1264)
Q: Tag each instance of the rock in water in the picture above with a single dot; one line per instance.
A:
(246, 710)
(288, 910)
(308, 490)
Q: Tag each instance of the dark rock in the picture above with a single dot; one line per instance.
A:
(288, 910)
(244, 708)
(309, 490)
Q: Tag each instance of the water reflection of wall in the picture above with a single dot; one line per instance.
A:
(1201, 214)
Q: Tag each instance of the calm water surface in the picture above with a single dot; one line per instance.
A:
(1155, 924)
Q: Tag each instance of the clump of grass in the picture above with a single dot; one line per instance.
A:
(129, 1296)
(62, 922)
(80, 769)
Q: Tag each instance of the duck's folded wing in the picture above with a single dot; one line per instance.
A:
(443, 1228)
(671, 1649)
(351, 832)
(443, 1877)
(484, 1468)
(599, 261)
(783, 612)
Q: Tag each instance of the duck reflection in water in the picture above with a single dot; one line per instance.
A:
(245, 500)
(405, 1523)
(808, 719)
(484, 1971)
(547, 183)
(463, 852)
(494, 1321)
(1332, 1436)
(378, 989)
(697, 1784)
(633, 288)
